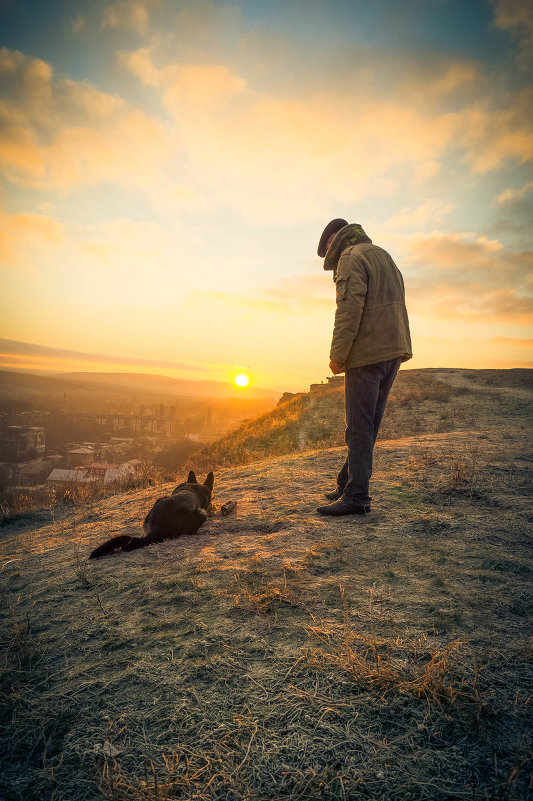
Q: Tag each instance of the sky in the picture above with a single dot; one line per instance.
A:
(167, 168)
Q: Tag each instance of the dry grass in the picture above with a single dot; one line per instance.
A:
(423, 668)
(418, 403)
(253, 594)
(446, 471)
(17, 501)
(277, 655)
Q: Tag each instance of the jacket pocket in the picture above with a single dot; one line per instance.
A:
(342, 289)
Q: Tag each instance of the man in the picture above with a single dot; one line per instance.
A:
(370, 340)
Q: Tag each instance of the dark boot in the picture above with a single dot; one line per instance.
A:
(342, 507)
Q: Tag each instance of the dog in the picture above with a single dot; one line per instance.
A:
(173, 516)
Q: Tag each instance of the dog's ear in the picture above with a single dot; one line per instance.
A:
(191, 478)
(209, 481)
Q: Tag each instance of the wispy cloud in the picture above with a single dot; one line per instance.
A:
(12, 351)
(464, 277)
(303, 294)
(238, 137)
(127, 15)
(60, 133)
(21, 233)
(514, 196)
(516, 16)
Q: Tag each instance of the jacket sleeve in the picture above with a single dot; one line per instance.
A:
(352, 284)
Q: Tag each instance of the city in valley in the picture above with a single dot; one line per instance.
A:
(111, 430)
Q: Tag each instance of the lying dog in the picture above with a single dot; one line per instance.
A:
(174, 516)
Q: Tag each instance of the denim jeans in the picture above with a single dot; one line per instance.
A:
(366, 390)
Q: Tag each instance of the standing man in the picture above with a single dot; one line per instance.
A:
(370, 340)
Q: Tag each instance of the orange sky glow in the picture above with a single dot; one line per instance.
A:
(167, 169)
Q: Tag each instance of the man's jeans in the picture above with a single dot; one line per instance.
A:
(366, 390)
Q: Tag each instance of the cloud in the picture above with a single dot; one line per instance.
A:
(241, 131)
(431, 210)
(491, 135)
(29, 351)
(514, 196)
(58, 134)
(473, 279)
(234, 141)
(516, 16)
(22, 234)
(240, 141)
(471, 351)
(127, 14)
(78, 24)
(304, 294)
(425, 171)
(515, 207)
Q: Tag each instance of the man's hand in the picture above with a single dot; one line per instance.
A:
(335, 367)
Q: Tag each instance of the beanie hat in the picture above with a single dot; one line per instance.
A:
(330, 229)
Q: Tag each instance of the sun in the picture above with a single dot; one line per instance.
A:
(241, 380)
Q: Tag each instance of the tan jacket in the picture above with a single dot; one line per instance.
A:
(371, 323)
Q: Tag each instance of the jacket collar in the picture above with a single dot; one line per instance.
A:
(347, 237)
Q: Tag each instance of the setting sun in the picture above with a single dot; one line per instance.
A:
(242, 380)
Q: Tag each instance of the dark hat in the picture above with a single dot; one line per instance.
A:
(331, 228)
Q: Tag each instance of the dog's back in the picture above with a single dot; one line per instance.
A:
(182, 513)
(174, 516)
(177, 515)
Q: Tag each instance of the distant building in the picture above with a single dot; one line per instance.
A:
(21, 443)
(336, 381)
(139, 424)
(99, 473)
(333, 381)
(80, 457)
(34, 418)
(114, 473)
(31, 474)
(97, 470)
(61, 476)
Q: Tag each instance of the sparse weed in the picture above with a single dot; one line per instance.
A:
(422, 668)
(253, 592)
(17, 501)
(20, 645)
(83, 572)
(443, 471)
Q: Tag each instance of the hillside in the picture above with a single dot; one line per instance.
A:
(277, 654)
(20, 385)
(421, 401)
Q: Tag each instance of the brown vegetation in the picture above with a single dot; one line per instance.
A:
(277, 654)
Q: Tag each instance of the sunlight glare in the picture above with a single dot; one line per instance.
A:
(242, 380)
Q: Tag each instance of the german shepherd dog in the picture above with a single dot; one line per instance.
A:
(174, 516)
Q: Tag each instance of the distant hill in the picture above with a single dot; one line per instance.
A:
(163, 385)
(12, 383)
(21, 385)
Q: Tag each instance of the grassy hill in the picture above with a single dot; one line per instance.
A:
(421, 401)
(278, 654)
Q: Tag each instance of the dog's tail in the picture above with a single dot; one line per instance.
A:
(121, 543)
